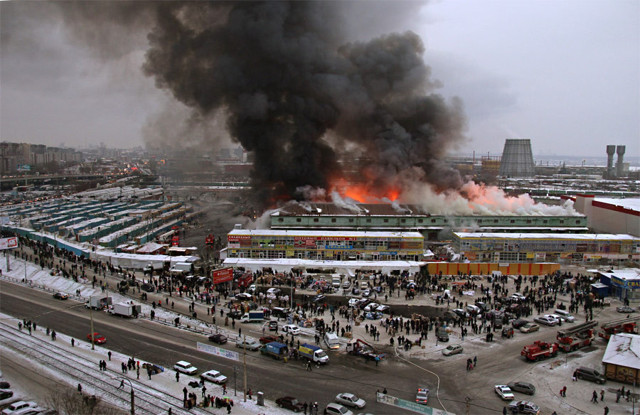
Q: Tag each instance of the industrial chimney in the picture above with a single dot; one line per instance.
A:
(611, 150)
(620, 163)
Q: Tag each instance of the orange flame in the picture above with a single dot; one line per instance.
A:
(363, 193)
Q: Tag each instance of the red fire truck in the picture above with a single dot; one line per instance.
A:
(575, 337)
(539, 350)
(624, 325)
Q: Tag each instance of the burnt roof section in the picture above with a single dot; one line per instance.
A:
(330, 209)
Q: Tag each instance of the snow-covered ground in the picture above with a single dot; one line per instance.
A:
(45, 354)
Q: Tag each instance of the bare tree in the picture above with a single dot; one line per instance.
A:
(70, 402)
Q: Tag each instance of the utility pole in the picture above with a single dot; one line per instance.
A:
(93, 343)
(235, 378)
(244, 364)
(133, 406)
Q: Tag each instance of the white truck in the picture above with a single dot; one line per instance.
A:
(98, 302)
(252, 317)
(125, 310)
(181, 268)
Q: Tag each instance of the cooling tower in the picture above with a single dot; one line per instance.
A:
(611, 151)
(620, 163)
(517, 159)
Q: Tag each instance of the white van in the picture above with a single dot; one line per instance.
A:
(335, 282)
(332, 340)
(564, 315)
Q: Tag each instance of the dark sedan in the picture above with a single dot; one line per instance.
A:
(519, 323)
(61, 296)
(289, 402)
(522, 387)
(218, 338)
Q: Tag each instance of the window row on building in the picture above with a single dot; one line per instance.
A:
(325, 245)
(546, 247)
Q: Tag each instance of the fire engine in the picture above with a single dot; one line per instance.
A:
(539, 350)
(624, 325)
(575, 337)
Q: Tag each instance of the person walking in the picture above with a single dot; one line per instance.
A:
(109, 354)
(601, 395)
(606, 410)
(594, 397)
(563, 392)
(121, 384)
(177, 376)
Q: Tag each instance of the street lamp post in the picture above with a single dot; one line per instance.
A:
(133, 407)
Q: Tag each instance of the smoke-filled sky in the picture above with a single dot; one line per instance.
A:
(565, 74)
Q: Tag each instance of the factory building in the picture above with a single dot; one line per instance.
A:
(610, 215)
(541, 247)
(401, 218)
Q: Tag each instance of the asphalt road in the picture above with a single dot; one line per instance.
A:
(165, 345)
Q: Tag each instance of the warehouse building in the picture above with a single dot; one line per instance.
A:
(325, 245)
(402, 218)
(610, 215)
(546, 247)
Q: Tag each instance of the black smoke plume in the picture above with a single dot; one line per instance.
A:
(289, 83)
(301, 98)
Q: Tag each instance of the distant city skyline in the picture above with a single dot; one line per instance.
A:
(564, 74)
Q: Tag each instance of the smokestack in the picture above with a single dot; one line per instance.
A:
(611, 150)
(620, 163)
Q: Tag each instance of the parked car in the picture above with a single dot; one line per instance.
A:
(529, 327)
(625, 309)
(5, 394)
(273, 326)
(4, 385)
(564, 315)
(185, 367)
(504, 392)
(319, 298)
(349, 399)
(61, 296)
(337, 409)
(452, 349)
(268, 339)
(244, 296)
(346, 285)
(371, 307)
(382, 309)
(589, 374)
(289, 402)
(248, 344)
(473, 309)
(547, 320)
(524, 407)
(218, 338)
(20, 407)
(214, 376)
(516, 324)
(147, 288)
(422, 396)
(97, 338)
(461, 313)
(522, 387)
(291, 328)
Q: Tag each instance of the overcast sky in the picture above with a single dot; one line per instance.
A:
(565, 74)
